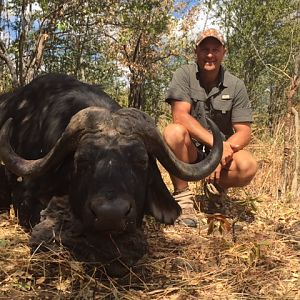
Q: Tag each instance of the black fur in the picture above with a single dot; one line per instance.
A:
(113, 168)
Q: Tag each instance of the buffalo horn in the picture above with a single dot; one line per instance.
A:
(144, 126)
(79, 124)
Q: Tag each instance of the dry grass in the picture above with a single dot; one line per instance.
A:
(259, 260)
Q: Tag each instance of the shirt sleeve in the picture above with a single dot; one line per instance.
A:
(179, 88)
(241, 110)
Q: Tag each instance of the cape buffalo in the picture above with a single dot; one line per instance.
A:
(61, 137)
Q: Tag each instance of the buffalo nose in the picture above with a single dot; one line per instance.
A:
(111, 214)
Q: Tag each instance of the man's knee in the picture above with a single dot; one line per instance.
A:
(241, 171)
(247, 169)
(175, 134)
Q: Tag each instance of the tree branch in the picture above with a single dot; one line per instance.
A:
(12, 69)
(37, 57)
(137, 47)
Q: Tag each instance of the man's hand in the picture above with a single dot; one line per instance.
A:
(214, 177)
(228, 150)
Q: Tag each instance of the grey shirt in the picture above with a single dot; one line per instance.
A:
(225, 104)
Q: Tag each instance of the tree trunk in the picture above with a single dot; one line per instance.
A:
(136, 97)
(295, 83)
(294, 188)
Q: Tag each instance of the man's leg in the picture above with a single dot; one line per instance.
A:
(240, 171)
(178, 139)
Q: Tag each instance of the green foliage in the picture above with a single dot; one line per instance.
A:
(122, 45)
(139, 40)
(263, 39)
(132, 47)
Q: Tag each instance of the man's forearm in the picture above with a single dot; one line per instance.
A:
(195, 129)
(242, 139)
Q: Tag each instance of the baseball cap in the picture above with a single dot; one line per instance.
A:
(210, 32)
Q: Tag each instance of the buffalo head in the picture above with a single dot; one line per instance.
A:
(114, 178)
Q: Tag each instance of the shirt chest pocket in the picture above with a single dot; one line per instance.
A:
(220, 104)
(221, 113)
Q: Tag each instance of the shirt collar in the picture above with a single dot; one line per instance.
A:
(223, 81)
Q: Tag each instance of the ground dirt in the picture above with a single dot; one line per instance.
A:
(250, 252)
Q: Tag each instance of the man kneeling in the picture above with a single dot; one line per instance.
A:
(201, 89)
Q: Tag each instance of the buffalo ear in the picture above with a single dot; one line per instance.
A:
(5, 191)
(159, 202)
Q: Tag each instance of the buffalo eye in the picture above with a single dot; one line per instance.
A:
(82, 164)
(140, 161)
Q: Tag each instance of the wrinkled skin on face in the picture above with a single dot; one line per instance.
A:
(108, 192)
(114, 253)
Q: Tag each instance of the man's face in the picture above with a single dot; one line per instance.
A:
(210, 54)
